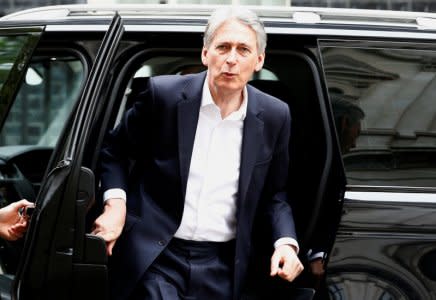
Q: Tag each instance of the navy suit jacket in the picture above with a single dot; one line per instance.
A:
(157, 133)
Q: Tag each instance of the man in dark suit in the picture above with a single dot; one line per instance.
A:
(211, 158)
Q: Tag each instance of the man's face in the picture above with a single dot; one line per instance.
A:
(232, 57)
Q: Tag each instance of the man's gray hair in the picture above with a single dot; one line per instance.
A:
(241, 14)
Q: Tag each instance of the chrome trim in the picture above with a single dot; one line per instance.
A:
(323, 15)
(391, 197)
(296, 31)
(164, 28)
(353, 33)
(70, 28)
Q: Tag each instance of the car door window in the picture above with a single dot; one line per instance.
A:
(16, 47)
(383, 101)
(10, 48)
(44, 101)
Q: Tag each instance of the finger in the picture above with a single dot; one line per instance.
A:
(17, 229)
(286, 276)
(290, 270)
(285, 271)
(18, 225)
(110, 246)
(95, 228)
(23, 203)
(108, 236)
(101, 234)
(13, 235)
(275, 262)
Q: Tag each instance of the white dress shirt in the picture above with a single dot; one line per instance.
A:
(212, 188)
(210, 203)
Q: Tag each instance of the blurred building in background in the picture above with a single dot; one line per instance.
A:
(8, 6)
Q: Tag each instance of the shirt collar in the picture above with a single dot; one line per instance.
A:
(207, 100)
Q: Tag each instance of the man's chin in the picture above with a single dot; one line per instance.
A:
(230, 85)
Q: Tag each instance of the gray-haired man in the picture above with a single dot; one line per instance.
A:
(210, 151)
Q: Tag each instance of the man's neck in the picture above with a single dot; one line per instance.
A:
(227, 102)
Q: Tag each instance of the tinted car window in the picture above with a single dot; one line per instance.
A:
(44, 101)
(10, 48)
(384, 108)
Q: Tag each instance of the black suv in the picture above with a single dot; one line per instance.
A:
(362, 90)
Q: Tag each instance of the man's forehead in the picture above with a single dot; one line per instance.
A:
(233, 31)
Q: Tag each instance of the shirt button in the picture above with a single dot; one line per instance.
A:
(161, 243)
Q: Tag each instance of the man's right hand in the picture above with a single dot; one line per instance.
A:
(110, 223)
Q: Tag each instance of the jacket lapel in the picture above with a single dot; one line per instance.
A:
(187, 114)
(251, 142)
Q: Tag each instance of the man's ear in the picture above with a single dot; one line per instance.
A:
(260, 61)
(204, 56)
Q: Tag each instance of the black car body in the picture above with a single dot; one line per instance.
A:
(67, 74)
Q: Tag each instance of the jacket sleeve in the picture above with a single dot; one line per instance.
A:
(279, 209)
(127, 142)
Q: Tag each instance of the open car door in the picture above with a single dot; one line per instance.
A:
(17, 43)
(59, 260)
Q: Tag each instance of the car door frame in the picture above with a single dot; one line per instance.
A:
(59, 259)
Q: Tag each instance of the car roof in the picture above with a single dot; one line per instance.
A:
(273, 14)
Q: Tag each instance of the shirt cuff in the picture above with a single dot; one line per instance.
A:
(315, 255)
(287, 241)
(114, 193)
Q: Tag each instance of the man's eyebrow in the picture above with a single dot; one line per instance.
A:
(237, 44)
(231, 42)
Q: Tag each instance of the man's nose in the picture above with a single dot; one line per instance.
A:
(232, 57)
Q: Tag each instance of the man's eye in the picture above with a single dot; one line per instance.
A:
(221, 47)
(244, 50)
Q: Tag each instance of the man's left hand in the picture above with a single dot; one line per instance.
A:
(285, 263)
(317, 267)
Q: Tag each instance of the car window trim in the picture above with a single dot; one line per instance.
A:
(397, 197)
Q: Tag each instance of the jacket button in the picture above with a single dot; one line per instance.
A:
(161, 243)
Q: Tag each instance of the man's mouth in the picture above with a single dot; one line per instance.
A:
(228, 74)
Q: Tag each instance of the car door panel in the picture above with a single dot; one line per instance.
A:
(60, 258)
(382, 94)
(17, 44)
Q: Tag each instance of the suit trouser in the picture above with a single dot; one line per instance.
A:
(189, 270)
